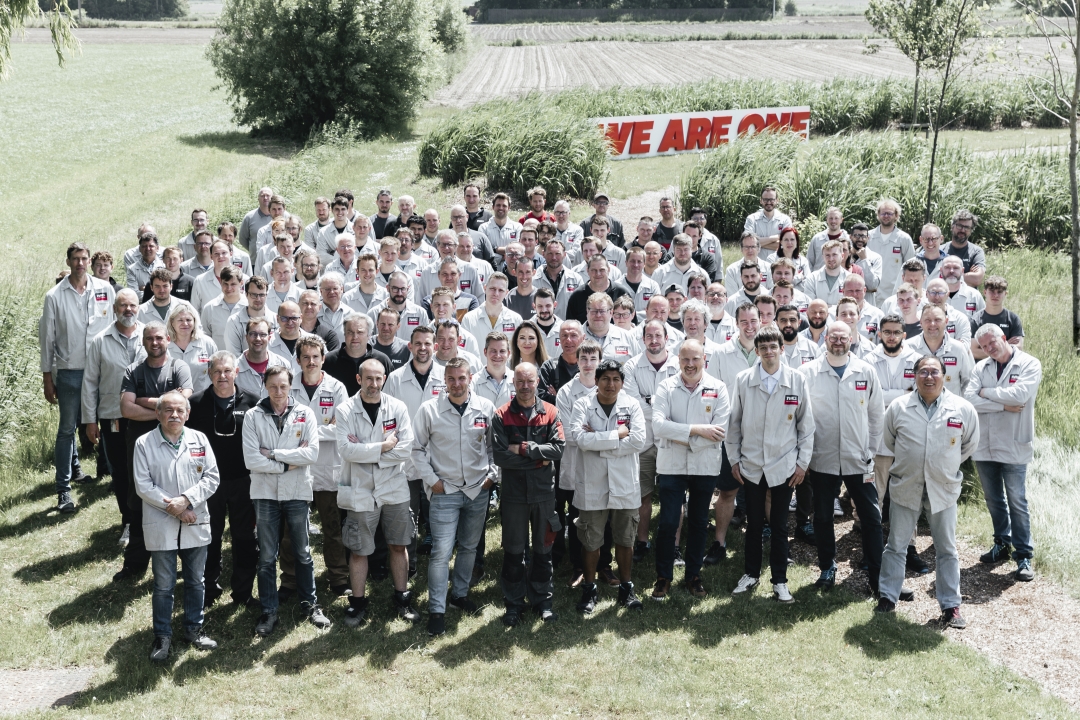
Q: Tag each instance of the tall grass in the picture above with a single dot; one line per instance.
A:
(1020, 197)
(20, 378)
(461, 146)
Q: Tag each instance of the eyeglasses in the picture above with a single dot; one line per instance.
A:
(937, 293)
(290, 319)
(623, 315)
(258, 335)
(929, 373)
(717, 294)
(885, 213)
(598, 311)
(256, 296)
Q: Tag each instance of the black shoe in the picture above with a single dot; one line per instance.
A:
(356, 613)
(906, 594)
(627, 598)
(83, 479)
(915, 563)
(378, 573)
(885, 606)
(436, 624)
(766, 533)
(641, 549)
(126, 573)
(679, 561)
(512, 617)
(159, 651)
(998, 552)
(827, 579)
(465, 605)
(805, 533)
(717, 552)
(64, 503)
(340, 590)
(738, 517)
(403, 605)
(425, 546)
(952, 618)
(588, 598)
(266, 624)
(199, 640)
(284, 594)
(547, 615)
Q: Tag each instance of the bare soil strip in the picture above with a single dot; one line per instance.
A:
(127, 36)
(25, 690)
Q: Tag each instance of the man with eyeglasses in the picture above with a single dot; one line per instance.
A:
(218, 413)
(848, 412)
(867, 260)
(201, 261)
(893, 245)
(255, 291)
(617, 343)
(410, 314)
(958, 324)
(308, 269)
(962, 225)
(954, 355)
(569, 234)
(722, 325)
(600, 203)
(931, 431)
(765, 223)
(930, 251)
(750, 254)
(257, 358)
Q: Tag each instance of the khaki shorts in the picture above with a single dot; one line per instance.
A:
(590, 527)
(397, 523)
(647, 471)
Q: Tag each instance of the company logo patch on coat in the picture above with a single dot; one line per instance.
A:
(709, 393)
(389, 425)
(647, 295)
(508, 327)
(860, 384)
(909, 373)
(101, 296)
(955, 423)
(413, 321)
(436, 389)
(623, 419)
(1013, 377)
(326, 401)
(622, 350)
(949, 360)
(301, 418)
(465, 285)
(571, 287)
(202, 358)
(791, 399)
(480, 422)
(871, 327)
(897, 250)
(970, 307)
(198, 452)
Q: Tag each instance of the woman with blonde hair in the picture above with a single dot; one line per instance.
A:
(187, 342)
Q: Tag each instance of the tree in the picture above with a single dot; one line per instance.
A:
(1056, 23)
(292, 66)
(13, 17)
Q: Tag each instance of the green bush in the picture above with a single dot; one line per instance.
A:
(1020, 197)
(134, 9)
(459, 147)
(565, 156)
(291, 66)
(451, 26)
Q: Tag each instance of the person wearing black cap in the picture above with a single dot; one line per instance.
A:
(615, 229)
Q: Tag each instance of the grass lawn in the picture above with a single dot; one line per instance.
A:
(132, 133)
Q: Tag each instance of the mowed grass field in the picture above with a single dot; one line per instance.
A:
(824, 656)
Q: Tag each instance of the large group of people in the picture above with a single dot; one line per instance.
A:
(401, 378)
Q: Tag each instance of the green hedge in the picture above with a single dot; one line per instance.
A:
(460, 147)
(1020, 197)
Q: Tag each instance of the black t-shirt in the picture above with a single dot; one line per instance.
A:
(309, 389)
(607, 408)
(147, 382)
(460, 408)
(291, 344)
(478, 218)
(398, 352)
(664, 235)
(632, 285)
(372, 409)
(378, 224)
(971, 254)
(1007, 320)
(912, 330)
(422, 379)
(577, 305)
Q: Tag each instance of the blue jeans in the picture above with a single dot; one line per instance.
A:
(1005, 488)
(672, 490)
(163, 563)
(68, 384)
(453, 519)
(269, 515)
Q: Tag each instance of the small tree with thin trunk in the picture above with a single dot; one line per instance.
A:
(14, 15)
(1055, 21)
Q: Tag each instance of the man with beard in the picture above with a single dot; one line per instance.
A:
(827, 282)
(798, 350)
(973, 257)
(308, 269)
(410, 314)
(557, 277)
(848, 414)
(847, 312)
(750, 254)
(721, 323)
(817, 316)
(865, 258)
(893, 245)
(544, 317)
(962, 297)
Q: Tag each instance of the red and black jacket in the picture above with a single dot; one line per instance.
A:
(527, 479)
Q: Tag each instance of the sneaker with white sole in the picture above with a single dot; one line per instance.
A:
(780, 592)
(793, 505)
(746, 584)
(125, 537)
(1024, 573)
(837, 511)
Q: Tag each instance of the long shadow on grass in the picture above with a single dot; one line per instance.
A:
(104, 604)
(33, 494)
(242, 143)
(886, 635)
(85, 496)
(102, 546)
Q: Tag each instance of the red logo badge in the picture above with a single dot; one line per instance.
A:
(389, 425)
(707, 393)
(860, 384)
(949, 360)
(480, 422)
(791, 399)
(955, 423)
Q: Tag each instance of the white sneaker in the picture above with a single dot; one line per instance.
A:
(125, 537)
(837, 511)
(794, 504)
(746, 584)
(780, 592)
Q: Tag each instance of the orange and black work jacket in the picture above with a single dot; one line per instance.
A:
(528, 478)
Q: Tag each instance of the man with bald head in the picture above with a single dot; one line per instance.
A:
(528, 440)
(958, 324)
(849, 410)
(869, 316)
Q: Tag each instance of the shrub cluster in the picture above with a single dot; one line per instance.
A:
(461, 147)
(1020, 197)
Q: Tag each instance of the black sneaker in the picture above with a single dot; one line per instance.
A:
(627, 598)
(126, 573)
(805, 532)
(356, 613)
(915, 563)
(199, 640)
(641, 549)
(266, 624)
(84, 479)
(738, 517)
(403, 605)
(66, 505)
(436, 624)
(906, 594)
(953, 619)
(547, 615)
(679, 561)
(465, 605)
(588, 598)
(998, 553)
(827, 579)
(512, 617)
(159, 651)
(717, 553)
(885, 606)
(340, 590)
(425, 546)
(1024, 573)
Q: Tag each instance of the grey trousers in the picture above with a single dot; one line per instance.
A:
(902, 525)
(519, 521)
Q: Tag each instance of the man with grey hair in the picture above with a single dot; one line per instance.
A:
(332, 290)
(255, 220)
(962, 297)
(446, 243)
(107, 359)
(410, 314)
(958, 324)
(175, 474)
(694, 315)
(344, 264)
(1003, 390)
(218, 413)
(344, 363)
